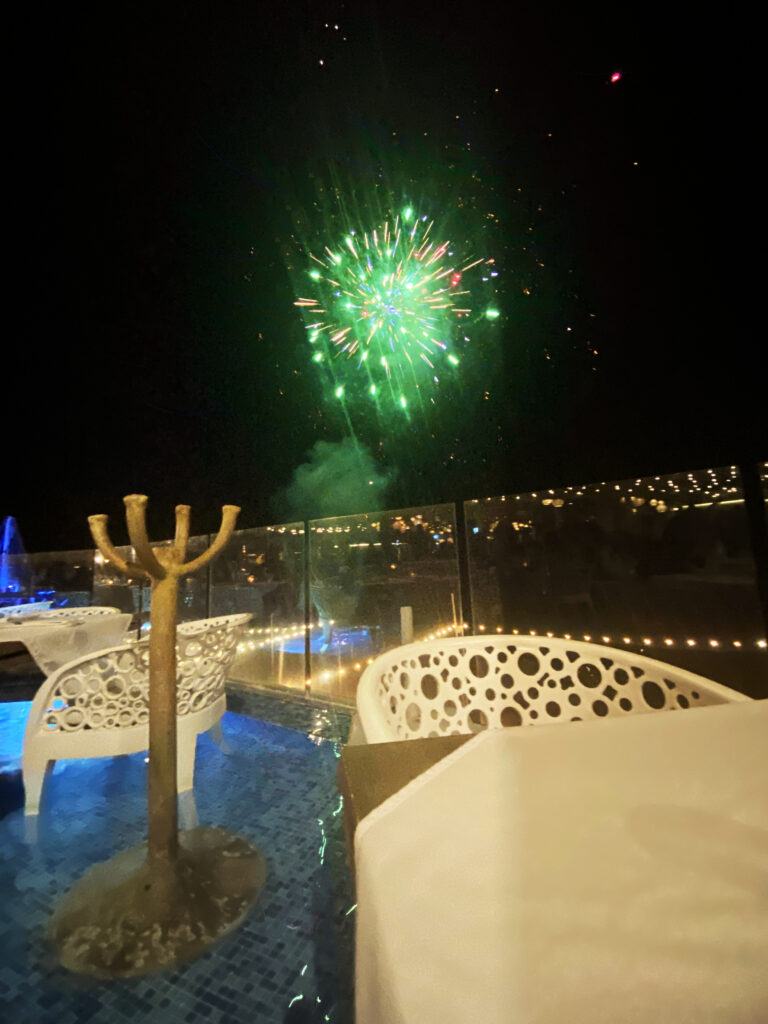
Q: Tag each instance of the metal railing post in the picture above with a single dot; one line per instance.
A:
(462, 554)
(754, 503)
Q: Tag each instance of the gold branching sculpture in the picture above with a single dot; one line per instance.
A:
(163, 566)
(154, 906)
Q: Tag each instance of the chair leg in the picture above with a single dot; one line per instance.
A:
(218, 738)
(185, 763)
(185, 780)
(34, 776)
(30, 829)
(188, 817)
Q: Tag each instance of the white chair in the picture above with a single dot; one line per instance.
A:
(465, 684)
(76, 613)
(98, 704)
(32, 608)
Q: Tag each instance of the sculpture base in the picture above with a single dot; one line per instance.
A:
(127, 916)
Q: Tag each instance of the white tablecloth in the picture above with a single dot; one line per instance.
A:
(54, 642)
(608, 872)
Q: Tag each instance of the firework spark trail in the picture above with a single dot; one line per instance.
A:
(387, 309)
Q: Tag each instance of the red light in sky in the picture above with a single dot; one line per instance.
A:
(616, 76)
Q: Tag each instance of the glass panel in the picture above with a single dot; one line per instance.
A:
(65, 578)
(134, 593)
(113, 588)
(661, 563)
(369, 576)
(261, 571)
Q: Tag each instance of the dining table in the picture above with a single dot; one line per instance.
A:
(605, 872)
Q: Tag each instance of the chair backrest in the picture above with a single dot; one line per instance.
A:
(78, 613)
(33, 608)
(109, 689)
(466, 684)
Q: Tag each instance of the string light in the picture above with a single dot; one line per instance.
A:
(645, 641)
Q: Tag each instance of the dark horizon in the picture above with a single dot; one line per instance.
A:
(174, 154)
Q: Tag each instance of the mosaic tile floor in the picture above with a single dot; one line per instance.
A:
(291, 960)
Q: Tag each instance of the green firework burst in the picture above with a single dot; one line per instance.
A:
(388, 310)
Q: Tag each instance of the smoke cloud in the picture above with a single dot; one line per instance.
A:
(338, 478)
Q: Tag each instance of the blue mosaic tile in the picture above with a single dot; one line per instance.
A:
(309, 715)
(12, 723)
(291, 961)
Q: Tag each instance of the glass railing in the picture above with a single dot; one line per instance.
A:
(261, 572)
(661, 564)
(63, 577)
(133, 593)
(377, 580)
(113, 589)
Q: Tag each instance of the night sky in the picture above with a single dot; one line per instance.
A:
(170, 168)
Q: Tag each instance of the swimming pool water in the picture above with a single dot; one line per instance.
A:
(290, 961)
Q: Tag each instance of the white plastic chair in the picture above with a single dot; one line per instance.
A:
(98, 705)
(466, 684)
(76, 613)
